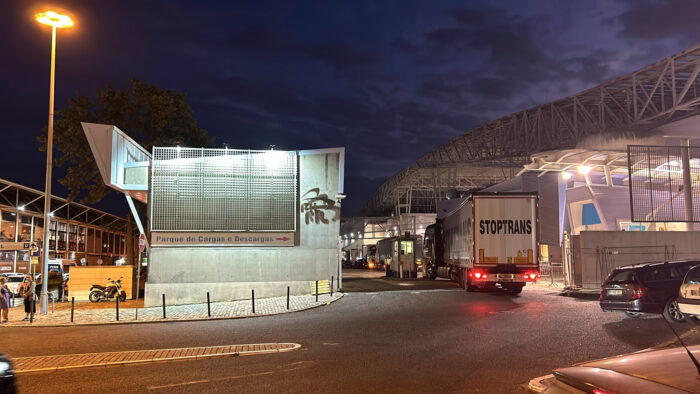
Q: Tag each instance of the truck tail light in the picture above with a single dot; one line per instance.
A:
(479, 275)
(531, 275)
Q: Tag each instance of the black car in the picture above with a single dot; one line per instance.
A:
(645, 288)
(7, 376)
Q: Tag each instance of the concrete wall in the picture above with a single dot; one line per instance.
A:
(185, 274)
(596, 253)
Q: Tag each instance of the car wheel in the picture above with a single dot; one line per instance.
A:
(633, 315)
(672, 313)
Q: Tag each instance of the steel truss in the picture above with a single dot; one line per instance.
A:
(416, 189)
(633, 104)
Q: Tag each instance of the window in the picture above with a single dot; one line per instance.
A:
(693, 276)
(655, 273)
(621, 276)
(7, 228)
(25, 229)
(39, 230)
(81, 239)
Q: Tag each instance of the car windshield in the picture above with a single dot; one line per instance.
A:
(693, 276)
(621, 276)
(14, 278)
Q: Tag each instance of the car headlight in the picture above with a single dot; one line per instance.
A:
(5, 367)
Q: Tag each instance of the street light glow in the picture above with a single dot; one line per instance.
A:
(53, 18)
(566, 175)
(584, 169)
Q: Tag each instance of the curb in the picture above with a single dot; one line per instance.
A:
(295, 346)
(341, 295)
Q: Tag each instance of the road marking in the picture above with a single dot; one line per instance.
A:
(85, 360)
(166, 386)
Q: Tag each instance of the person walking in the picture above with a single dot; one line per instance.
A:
(4, 299)
(27, 291)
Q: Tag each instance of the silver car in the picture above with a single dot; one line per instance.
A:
(654, 371)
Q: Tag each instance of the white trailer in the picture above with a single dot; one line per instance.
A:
(485, 241)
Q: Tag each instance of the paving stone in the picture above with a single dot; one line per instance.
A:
(232, 309)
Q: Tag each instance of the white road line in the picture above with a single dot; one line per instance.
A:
(192, 382)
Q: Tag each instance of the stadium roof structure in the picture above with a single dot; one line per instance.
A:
(632, 105)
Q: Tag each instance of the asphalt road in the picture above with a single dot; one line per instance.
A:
(425, 340)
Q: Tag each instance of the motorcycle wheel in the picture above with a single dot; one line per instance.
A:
(122, 296)
(94, 296)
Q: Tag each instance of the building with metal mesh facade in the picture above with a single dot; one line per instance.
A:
(658, 190)
(223, 190)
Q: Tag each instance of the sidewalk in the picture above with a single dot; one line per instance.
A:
(219, 310)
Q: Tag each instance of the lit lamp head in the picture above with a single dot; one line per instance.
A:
(52, 18)
(584, 169)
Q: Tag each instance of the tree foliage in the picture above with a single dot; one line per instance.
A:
(148, 114)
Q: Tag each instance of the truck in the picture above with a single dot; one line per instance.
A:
(485, 241)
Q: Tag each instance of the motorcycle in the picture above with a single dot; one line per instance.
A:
(109, 292)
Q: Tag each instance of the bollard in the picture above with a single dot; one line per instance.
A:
(163, 306)
(287, 297)
(72, 308)
(31, 314)
(53, 302)
(316, 291)
(208, 305)
(331, 285)
(253, 293)
(117, 307)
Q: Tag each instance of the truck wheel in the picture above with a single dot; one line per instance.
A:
(671, 312)
(470, 287)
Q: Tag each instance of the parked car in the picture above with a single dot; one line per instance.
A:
(7, 376)
(646, 288)
(689, 295)
(655, 371)
(14, 279)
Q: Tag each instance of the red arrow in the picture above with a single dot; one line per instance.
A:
(283, 239)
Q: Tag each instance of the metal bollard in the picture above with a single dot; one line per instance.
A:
(163, 306)
(287, 297)
(253, 293)
(331, 285)
(31, 314)
(53, 303)
(72, 308)
(316, 291)
(208, 305)
(117, 307)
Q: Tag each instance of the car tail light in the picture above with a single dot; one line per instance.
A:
(639, 292)
(596, 391)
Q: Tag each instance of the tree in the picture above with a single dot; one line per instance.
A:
(148, 114)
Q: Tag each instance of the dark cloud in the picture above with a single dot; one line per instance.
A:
(661, 19)
(342, 56)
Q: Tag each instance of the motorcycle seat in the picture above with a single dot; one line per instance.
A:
(99, 287)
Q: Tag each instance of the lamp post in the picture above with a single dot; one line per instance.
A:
(56, 21)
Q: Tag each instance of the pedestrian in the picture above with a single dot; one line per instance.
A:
(4, 299)
(27, 291)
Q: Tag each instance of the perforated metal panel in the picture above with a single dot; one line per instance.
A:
(223, 190)
(657, 188)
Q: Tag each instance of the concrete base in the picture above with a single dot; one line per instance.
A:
(185, 274)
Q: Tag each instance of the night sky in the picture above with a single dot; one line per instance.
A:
(387, 80)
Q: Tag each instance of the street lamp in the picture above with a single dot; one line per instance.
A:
(55, 20)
